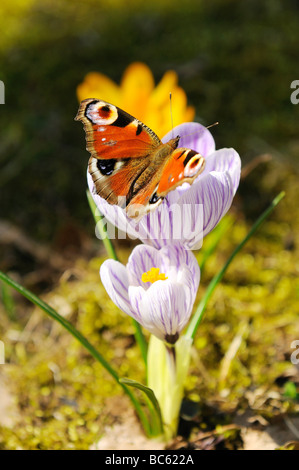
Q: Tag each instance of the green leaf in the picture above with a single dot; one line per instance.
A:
(153, 405)
(8, 301)
(290, 391)
(102, 228)
(195, 322)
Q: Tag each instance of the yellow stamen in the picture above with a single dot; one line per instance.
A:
(153, 275)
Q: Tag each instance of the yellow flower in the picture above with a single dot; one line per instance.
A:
(137, 95)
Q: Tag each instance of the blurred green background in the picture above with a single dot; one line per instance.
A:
(235, 60)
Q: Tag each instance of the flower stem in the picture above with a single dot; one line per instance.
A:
(195, 322)
(167, 371)
(98, 218)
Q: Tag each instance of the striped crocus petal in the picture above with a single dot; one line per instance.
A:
(142, 259)
(213, 191)
(225, 160)
(164, 306)
(115, 279)
(170, 259)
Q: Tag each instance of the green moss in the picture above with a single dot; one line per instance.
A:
(60, 390)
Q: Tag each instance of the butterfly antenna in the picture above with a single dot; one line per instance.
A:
(212, 125)
(171, 115)
(200, 132)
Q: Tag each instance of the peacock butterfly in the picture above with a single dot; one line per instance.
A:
(129, 164)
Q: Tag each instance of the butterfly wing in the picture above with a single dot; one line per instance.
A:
(119, 145)
(111, 132)
(129, 164)
(183, 166)
(173, 167)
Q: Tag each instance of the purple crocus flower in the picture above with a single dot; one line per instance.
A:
(189, 212)
(163, 305)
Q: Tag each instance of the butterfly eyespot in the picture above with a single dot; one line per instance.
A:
(106, 167)
(101, 113)
(104, 112)
(155, 198)
(194, 165)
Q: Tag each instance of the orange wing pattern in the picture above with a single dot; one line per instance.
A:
(184, 165)
(113, 133)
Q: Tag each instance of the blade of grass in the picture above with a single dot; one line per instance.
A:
(84, 341)
(195, 322)
(98, 217)
(157, 423)
(217, 235)
(140, 339)
(8, 301)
